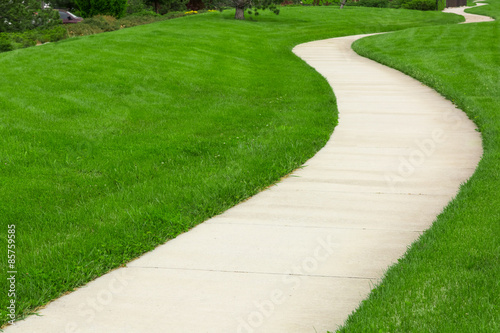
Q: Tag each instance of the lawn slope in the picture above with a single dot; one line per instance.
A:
(114, 143)
(449, 281)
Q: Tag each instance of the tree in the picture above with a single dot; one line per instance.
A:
(63, 4)
(252, 6)
(89, 8)
(20, 15)
(156, 5)
(137, 6)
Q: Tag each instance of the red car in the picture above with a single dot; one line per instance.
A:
(68, 17)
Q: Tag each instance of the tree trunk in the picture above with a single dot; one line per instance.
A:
(240, 13)
(342, 4)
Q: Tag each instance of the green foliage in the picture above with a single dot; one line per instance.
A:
(137, 6)
(102, 23)
(441, 4)
(93, 25)
(146, 17)
(173, 6)
(374, 3)
(419, 5)
(52, 35)
(424, 5)
(165, 6)
(83, 29)
(320, 2)
(210, 4)
(406, 4)
(145, 13)
(5, 44)
(89, 8)
(63, 4)
(251, 6)
(21, 15)
(16, 40)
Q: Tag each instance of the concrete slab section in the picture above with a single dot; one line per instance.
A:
(274, 249)
(345, 210)
(378, 182)
(162, 300)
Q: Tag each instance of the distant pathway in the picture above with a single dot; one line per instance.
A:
(300, 256)
(469, 18)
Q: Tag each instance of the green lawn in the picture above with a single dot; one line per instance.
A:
(449, 281)
(114, 143)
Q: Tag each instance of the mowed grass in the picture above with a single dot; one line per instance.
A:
(114, 143)
(449, 281)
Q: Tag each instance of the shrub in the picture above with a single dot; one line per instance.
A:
(82, 29)
(137, 6)
(17, 40)
(148, 12)
(145, 18)
(406, 4)
(173, 6)
(102, 23)
(93, 25)
(90, 8)
(24, 39)
(420, 5)
(320, 2)
(63, 4)
(52, 35)
(5, 43)
(374, 3)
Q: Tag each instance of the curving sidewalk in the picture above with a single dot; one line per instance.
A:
(300, 256)
(469, 18)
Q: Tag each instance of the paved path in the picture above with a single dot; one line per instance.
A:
(300, 256)
(469, 18)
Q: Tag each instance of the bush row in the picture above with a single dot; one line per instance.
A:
(97, 24)
(16, 40)
(90, 8)
(104, 23)
(405, 4)
(121, 8)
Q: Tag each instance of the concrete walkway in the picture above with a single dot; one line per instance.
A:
(300, 256)
(469, 18)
